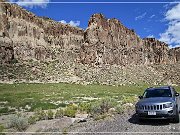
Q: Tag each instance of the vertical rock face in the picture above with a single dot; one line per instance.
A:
(156, 52)
(174, 55)
(24, 36)
(107, 41)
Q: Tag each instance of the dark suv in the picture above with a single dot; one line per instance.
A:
(159, 103)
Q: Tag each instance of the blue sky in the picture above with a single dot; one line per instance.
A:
(160, 20)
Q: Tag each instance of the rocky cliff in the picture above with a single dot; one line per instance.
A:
(107, 41)
(24, 36)
(35, 48)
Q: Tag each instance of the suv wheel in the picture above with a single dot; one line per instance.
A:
(140, 120)
(176, 119)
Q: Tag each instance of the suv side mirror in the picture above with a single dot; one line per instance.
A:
(140, 97)
(177, 94)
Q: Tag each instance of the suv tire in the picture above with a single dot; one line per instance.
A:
(141, 120)
(176, 119)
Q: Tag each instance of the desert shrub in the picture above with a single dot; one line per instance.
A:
(70, 111)
(50, 114)
(128, 99)
(43, 115)
(95, 108)
(73, 106)
(100, 117)
(106, 104)
(19, 122)
(40, 114)
(102, 106)
(120, 109)
(65, 131)
(4, 110)
(32, 119)
(14, 61)
(85, 107)
(1, 128)
(59, 113)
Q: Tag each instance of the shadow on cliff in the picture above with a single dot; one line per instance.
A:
(154, 122)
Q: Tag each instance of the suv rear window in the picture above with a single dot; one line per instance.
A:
(157, 93)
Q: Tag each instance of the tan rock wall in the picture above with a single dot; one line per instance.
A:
(107, 41)
(32, 37)
(24, 36)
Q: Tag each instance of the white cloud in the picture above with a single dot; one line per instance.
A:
(152, 16)
(63, 21)
(140, 16)
(171, 46)
(147, 30)
(150, 36)
(174, 13)
(172, 33)
(72, 23)
(31, 3)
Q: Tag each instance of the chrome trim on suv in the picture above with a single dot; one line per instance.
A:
(151, 107)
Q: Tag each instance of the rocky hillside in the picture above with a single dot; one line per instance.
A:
(24, 36)
(107, 41)
(42, 50)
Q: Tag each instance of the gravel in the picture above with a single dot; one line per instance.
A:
(125, 124)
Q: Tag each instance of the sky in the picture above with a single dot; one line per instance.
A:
(160, 19)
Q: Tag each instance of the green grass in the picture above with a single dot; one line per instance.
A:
(4, 110)
(46, 95)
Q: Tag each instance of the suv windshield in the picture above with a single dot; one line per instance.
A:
(157, 93)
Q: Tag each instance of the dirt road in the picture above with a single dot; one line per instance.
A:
(126, 124)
